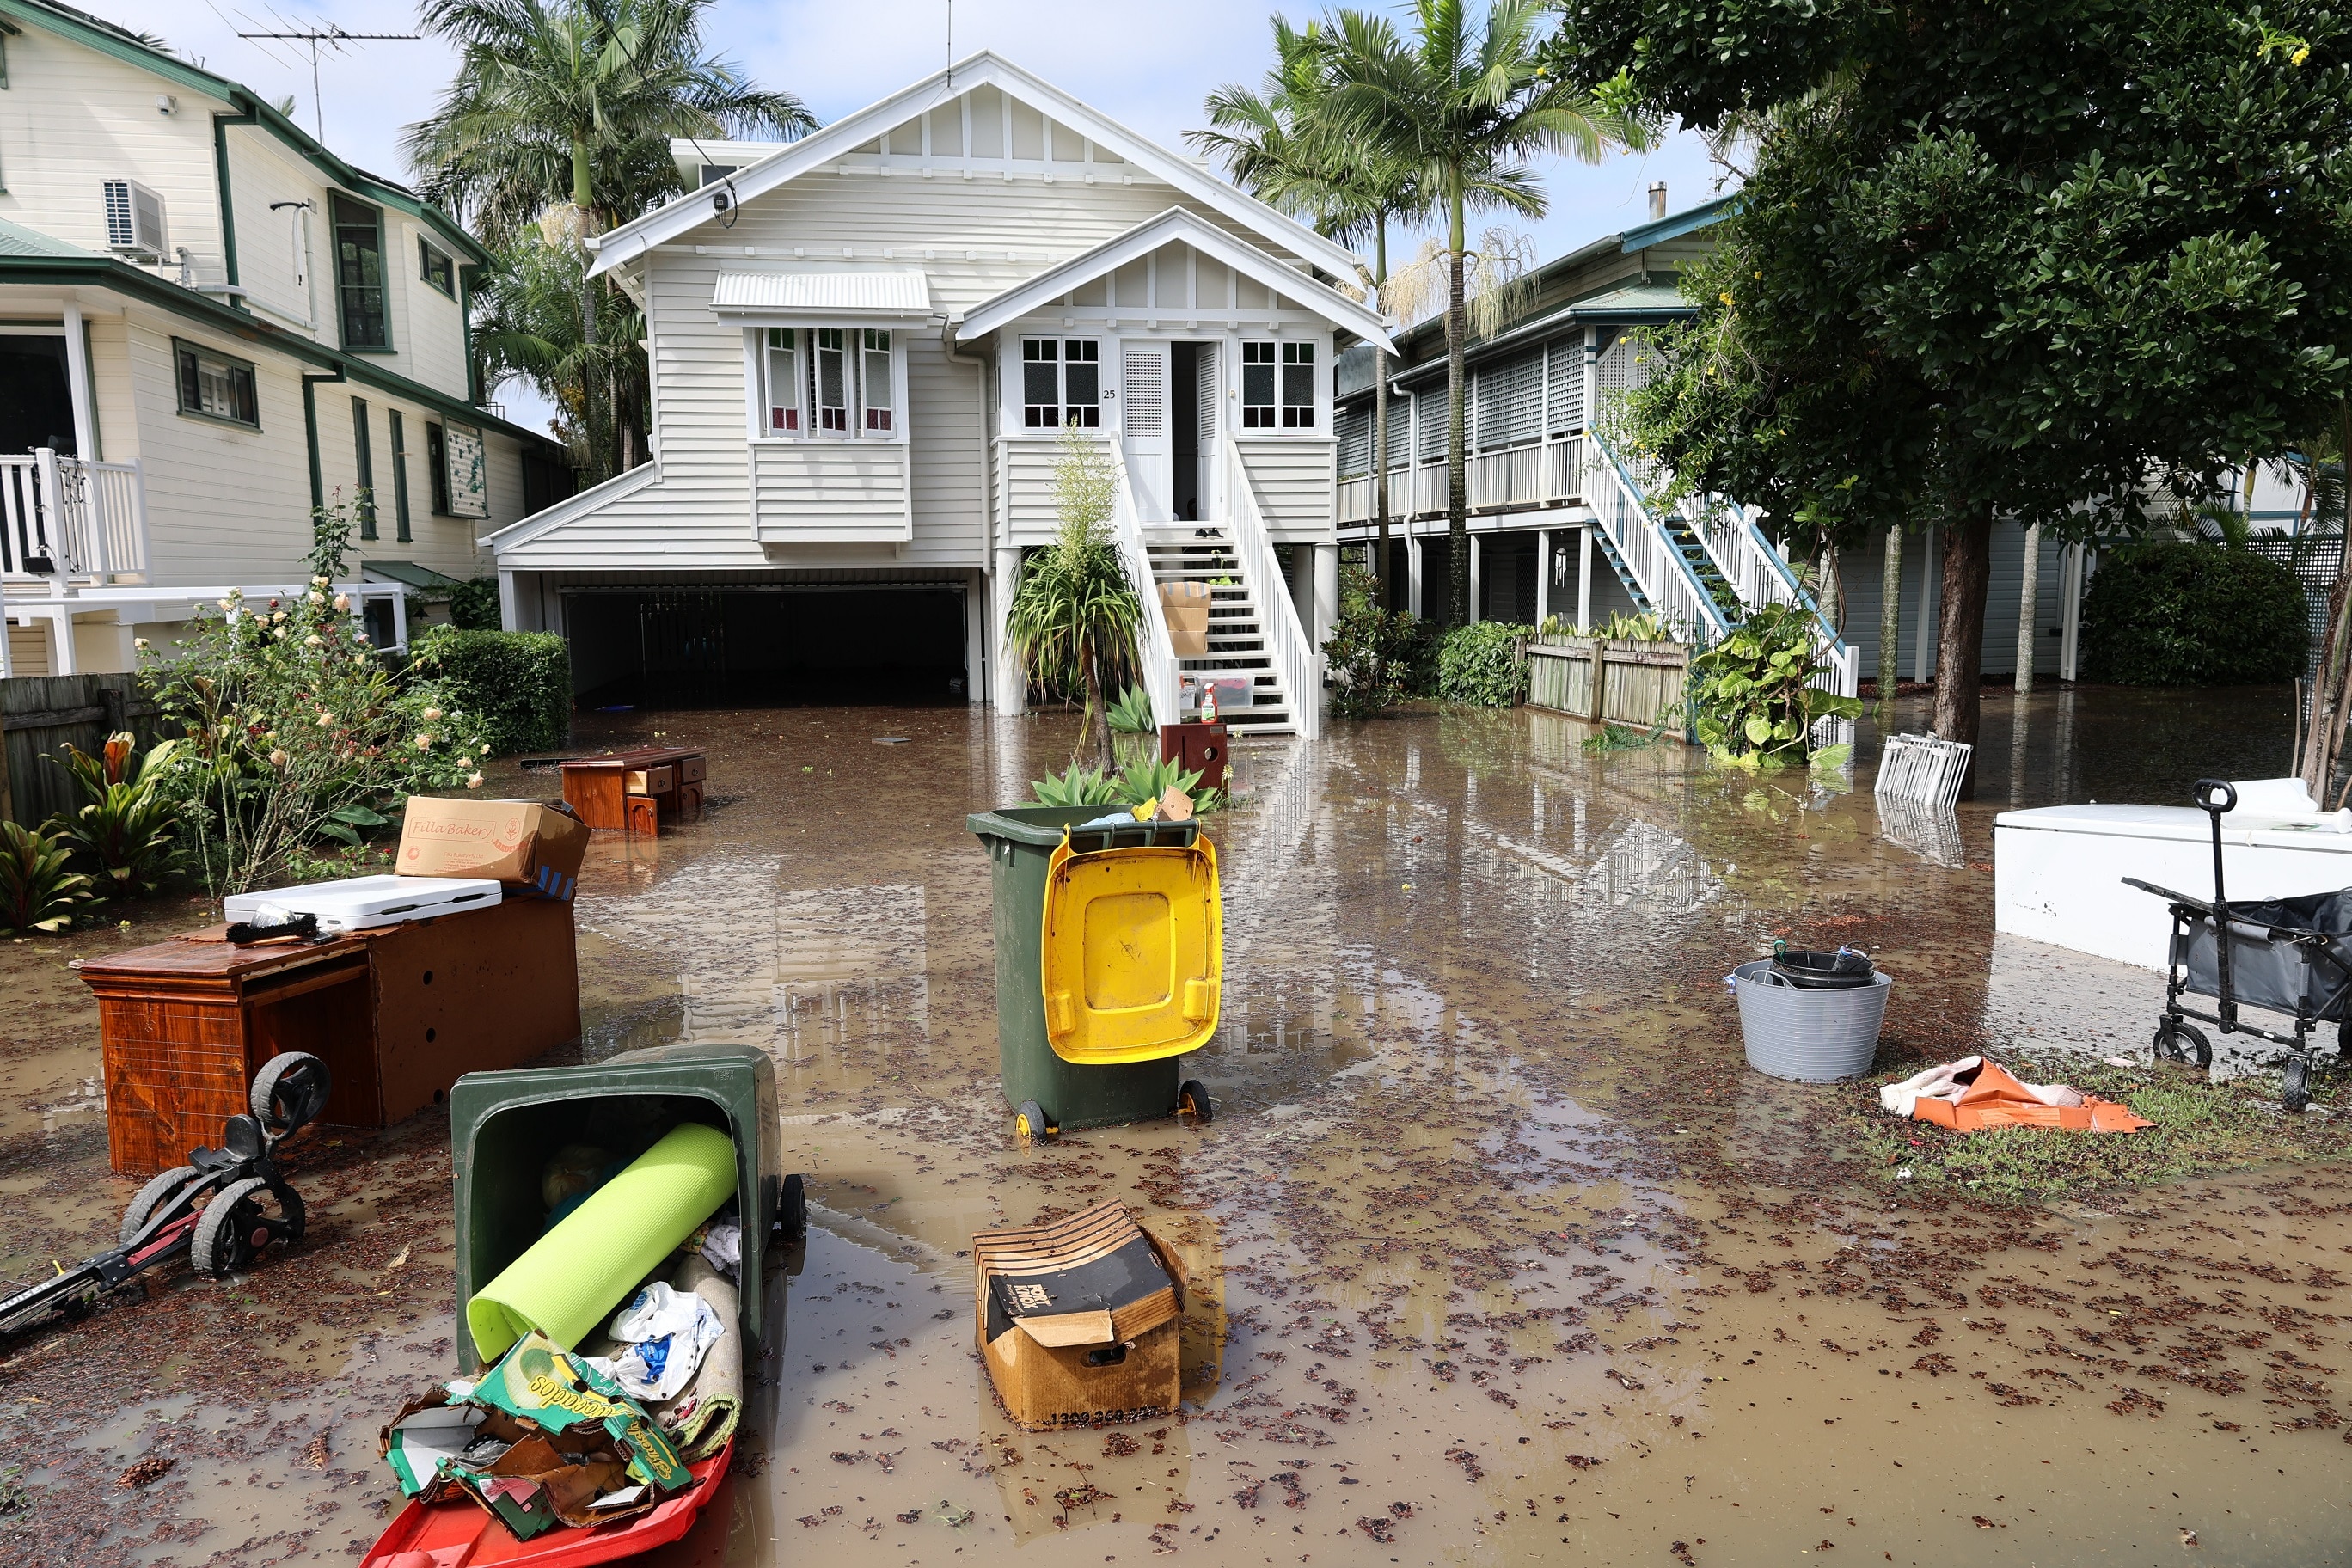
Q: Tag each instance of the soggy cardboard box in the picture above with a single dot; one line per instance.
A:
(1186, 606)
(520, 843)
(1079, 1320)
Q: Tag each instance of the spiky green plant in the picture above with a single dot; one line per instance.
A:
(39, 888)
(1074, 606)
(1131, 715)
(1076, 785)
(126, 825)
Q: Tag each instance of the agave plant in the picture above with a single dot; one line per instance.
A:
(1079, 787)
(39, 888)
(1147, 781)
(127, 825)
(1131, 715)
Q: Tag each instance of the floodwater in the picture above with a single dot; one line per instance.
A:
(1495, 1251)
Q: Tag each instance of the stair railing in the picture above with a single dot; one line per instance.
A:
(1156, 651)
(1295, 655)
(1763, 575)
(1674, 590)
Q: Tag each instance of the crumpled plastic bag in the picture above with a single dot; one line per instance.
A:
(667, 1333)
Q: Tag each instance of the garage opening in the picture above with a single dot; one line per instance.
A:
(787, 646)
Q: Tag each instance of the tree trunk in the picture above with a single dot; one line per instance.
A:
(1890, 619)
(1097, 715)
(2324, 735)
(1959, 641)
(2028, 587)
(1382, 565)
(1457, 473)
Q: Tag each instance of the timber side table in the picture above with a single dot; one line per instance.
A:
(630, 792)
(398, 1013)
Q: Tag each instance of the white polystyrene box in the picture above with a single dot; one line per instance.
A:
(362, 903)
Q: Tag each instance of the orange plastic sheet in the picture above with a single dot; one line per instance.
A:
(1973, 1094)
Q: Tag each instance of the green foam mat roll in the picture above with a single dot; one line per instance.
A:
(576, 1275)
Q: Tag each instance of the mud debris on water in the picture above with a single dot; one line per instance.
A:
(1495, 1250)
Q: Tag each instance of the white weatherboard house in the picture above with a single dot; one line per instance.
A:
(866, 346)
(209, 323)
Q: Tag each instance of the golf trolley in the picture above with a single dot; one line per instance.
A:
(250, 1204)
(2283, 955)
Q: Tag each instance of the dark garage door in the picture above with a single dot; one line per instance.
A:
(696, 647)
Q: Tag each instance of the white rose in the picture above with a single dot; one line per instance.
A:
(424, 742)
(277, 759)
(325, 719)
(433, 712)
(473, 781)
(343, 601)
(317, 581)
(139, 643)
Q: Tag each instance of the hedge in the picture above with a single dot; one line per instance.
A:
(517, 684)
(1479, 665)
(2194, 614)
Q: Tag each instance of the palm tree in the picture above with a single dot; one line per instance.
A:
(1284, 144)
(561, 113)
(1465, 100)
(528, 324)
(1074, 609)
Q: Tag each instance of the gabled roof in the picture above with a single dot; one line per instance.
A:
(123, 45)
(687, 213)
(1192, 229)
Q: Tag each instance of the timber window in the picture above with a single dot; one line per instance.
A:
(435, 268)
(784, 389)
(436, 465)
(216, 386)
(1061, 384)
(874, 380)
(827, 381)
(359, 275)
(363, 462)
(1278, 386)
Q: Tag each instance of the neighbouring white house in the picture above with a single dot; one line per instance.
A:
(866, 347)
(210, 324)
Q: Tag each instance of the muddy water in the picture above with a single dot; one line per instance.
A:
(1496, 1252)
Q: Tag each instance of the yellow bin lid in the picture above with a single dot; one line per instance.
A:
(1133, 953)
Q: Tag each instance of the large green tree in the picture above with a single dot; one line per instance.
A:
(1285, 142)
(559, 118)
(1465, 98)
(1996, 261)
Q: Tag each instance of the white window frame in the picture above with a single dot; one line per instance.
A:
(1282, 351)
(760, 401)
(1016, 376)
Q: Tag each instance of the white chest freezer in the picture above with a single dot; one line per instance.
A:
(363, 903)
(2058, 871)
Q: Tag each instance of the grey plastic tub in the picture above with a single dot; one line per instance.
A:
(1812, 1037)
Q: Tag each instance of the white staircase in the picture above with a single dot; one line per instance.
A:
(1239, 634)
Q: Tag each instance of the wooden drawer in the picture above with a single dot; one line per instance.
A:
(689, 769)
(652, 781)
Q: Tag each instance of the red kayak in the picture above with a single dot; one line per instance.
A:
(459, 1534)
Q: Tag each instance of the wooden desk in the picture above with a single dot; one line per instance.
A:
(397, 1015)
(632, 791)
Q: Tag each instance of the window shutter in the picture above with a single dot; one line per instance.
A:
(1510, 401)
(1139, 390)
(1355, 434)
(1211, 386)
(1428, 410)
(1566, 385)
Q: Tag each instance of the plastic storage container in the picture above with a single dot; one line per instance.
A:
(1812, 1036)
(1022, 842)
(504, 1127)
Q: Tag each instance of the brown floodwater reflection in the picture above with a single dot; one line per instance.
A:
(1496, 1251)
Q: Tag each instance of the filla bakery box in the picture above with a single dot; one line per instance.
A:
(1079, 1320)
(522, 843)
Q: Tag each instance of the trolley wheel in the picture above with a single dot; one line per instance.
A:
(151, 1197)
(240, 1222)
(289, 1091)
(1192, 1099)
(2294, 1085)
(2184, 1044)
(1029, 1123)
(792, 1209)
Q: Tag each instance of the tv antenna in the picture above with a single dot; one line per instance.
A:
(337, 41)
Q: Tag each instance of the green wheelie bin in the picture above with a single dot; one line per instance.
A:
(505, 1126)
(1105, 1080)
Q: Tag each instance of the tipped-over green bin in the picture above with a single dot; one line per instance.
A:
(504, 1128)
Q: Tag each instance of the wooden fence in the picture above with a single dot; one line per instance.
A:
(42, 714)
(1640, 684)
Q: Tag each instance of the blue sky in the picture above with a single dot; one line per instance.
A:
(1146, 64)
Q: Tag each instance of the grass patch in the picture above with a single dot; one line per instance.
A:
(2200, 1128)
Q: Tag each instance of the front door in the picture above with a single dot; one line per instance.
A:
(1143, 389)
(36, 406)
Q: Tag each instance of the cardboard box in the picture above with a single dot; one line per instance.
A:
(522, 843)
(1186, 605)
(1079, 1320)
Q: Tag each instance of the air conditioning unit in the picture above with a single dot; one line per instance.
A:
(134, 221)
